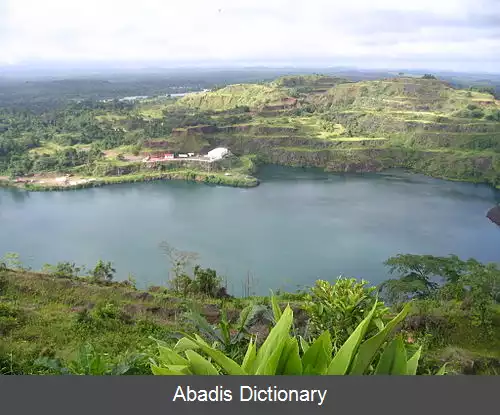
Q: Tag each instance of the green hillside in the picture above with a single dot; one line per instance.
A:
(232, 96)
(421, 124)
(309, 83)
(68, 320)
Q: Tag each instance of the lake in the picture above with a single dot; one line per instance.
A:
(297, 226)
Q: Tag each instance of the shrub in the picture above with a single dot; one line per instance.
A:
(108, 311)
(102, 272)
(63, 270)
(12, 260)
(205, 282)
(494, 115)
(341, 306)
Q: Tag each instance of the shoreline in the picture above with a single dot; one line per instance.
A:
(237, 181)
(91, 182)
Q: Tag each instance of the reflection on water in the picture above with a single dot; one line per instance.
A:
(16, 195)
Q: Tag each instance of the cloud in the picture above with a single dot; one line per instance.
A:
(159, 30)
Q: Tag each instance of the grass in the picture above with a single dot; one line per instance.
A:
(42, 315)
(232, 96)
(336, 138)
(153, 110)
(54, 316)
(111, 117)
(50, 148)
(47, 147)
(300, 149)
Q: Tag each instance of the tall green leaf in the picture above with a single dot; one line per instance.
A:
(169, 371)
(169, 357)
(290, 362)
(227, 364)
(185, 344)
(442, 370)
(412, 364)
(318, 356)
(250, 356)
(369, 348)
(245, 316)
(225, 328)
(393, 359)
(293, 366)
(303, 344)
(269, 364)
(274, 343)
(199, 365)
(276, 307)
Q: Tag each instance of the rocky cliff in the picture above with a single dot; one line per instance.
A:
(494, 215)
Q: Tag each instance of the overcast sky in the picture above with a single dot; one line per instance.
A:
(445, 34)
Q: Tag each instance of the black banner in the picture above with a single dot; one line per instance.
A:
(155, 395)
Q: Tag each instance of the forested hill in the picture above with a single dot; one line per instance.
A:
(419, 123)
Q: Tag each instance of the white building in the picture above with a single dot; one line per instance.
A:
(218, 153)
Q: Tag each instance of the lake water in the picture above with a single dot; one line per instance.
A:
(297, 226)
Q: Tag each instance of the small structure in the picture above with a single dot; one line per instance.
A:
(217, 153)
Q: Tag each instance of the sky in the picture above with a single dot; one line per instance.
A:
(446, 34)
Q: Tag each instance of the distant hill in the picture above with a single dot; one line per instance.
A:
(232, 96)
(427, 125)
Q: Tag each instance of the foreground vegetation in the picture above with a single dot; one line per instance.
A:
(434, 312)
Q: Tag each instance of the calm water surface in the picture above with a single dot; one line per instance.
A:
(297, 226)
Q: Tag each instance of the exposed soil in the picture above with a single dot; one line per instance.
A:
(52, 180)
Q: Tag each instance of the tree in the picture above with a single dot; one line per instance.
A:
(428, 76)
(12, 260)
(475, 285)
(206, 281)
(419, 275)
(482, 292)
(103, 272)
(179, 260)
